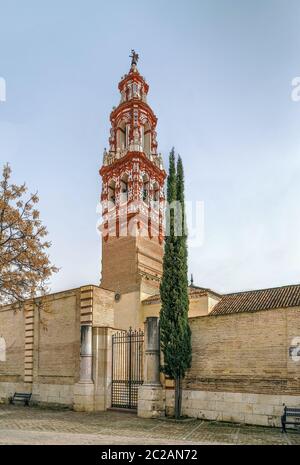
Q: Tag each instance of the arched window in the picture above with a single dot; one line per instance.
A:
(155, 196)
(129, 92)
(124, 189)
(156, 192)
(121, 136)
(2, 350)
(145, 188)
(142, 136)
(112, 193)
(127, 131)
(136, 90)
(147, 139)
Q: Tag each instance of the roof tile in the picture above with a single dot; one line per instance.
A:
(262, 299)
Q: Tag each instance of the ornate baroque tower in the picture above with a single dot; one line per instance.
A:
(132, 198)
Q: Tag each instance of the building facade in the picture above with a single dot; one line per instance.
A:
(246, 346)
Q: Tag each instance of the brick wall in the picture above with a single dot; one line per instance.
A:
(43, 343)
(245, 352)
(12, 329)
(119, 264)
(127, 260)
(42, 348)
(57, 340)
(242, 370)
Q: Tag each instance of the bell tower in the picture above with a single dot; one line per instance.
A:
(132, 195)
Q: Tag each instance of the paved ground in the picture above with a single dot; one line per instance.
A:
(23, 425)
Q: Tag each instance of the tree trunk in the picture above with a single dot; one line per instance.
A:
(178, 397)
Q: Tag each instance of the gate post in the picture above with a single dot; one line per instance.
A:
(86, 354)
(151, 395)
(84, 388)
(102, 367)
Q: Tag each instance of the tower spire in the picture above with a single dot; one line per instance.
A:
(132, 191)
(133, 122)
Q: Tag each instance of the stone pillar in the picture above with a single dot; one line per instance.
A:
(102, 366)
(84, 389)
(151, 395)
(152, 352)
(86, 354)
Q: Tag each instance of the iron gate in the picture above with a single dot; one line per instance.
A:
(127, 368)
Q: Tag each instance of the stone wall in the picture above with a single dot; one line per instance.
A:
(252, 409)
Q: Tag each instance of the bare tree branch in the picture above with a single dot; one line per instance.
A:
(25, 267)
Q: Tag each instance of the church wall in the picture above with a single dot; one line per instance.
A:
(255, 347)
(42, 349)
(198, 306)
(57, 349)
(42, 345)
(103, 308)
(241, 369)
(57, 344)
(127, 311)
(12, 330)
(151, 310)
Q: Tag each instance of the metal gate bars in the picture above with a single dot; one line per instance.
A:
(127, 368)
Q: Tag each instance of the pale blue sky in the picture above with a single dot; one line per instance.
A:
(220, 76)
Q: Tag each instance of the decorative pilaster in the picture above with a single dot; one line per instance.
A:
(86, 305)
(29, 339)
(84, 389)
(86, 335)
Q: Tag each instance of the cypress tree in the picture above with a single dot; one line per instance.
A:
(174, 326)
(182, 253)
